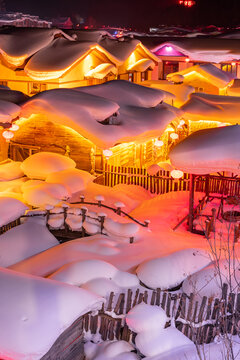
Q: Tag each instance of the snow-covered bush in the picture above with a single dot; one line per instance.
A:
(169, 271)
(40, 165)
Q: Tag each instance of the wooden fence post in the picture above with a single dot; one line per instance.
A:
(191, 202)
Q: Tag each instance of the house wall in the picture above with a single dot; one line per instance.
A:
(39, 131)
(201, 85)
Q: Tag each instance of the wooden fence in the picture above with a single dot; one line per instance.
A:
(162, 182)
(199, 321)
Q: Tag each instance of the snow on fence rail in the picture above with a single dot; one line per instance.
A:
(199, 321)
(162, 182)
(78, 224)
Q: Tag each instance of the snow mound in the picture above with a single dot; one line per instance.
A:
(80, 272)
(25, 240)
(207, 282)
(43, 194)
(169, 271)
(28, 310)
(73, 179)
(31, 183)
(40, 165)
(102, 286)
(143, 318)
(117, 350)
(125, 279)
(155, 343)
(11, 171)
(119, 229)
(10, 210)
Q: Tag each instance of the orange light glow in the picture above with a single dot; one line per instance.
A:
(14, 127)
(187, 60)
(13, 60)
(176, 174)
(107, 153)
(8, 135)
(158, 143)
(174, 136)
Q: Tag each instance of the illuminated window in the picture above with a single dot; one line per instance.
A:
(130, 77)
(4, 83)
(169, 67)
(36, 88)
(230, 68)
(144, 76)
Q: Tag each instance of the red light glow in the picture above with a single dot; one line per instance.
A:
(187, 3)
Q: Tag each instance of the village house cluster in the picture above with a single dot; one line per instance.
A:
(119, 195)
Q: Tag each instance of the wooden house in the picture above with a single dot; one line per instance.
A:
(36, 61)
(79, 123)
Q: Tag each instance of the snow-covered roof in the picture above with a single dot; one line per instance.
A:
(178, 92)
(209, 72)
(141, 65)
(139, 117)
(204, 49)
(123, 47)
(221, 108)
(125, 92)
(234, 89)
(89, 35)
(18, 45)
(36, 311)
(8, 111)
(101, 71)
(55, 59)
(209, 150)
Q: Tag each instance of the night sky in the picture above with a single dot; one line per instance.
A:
(132, 13)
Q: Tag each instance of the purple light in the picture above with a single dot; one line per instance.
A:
(168, 50)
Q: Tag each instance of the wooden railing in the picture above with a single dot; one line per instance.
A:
(65, 232)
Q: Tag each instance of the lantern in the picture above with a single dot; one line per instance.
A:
(14, 127)
(187, 60)
(174, 136)
(158, 143)
(182, 122)
(107, 153)
(7, 135)
(169, 128)
(176, 174)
